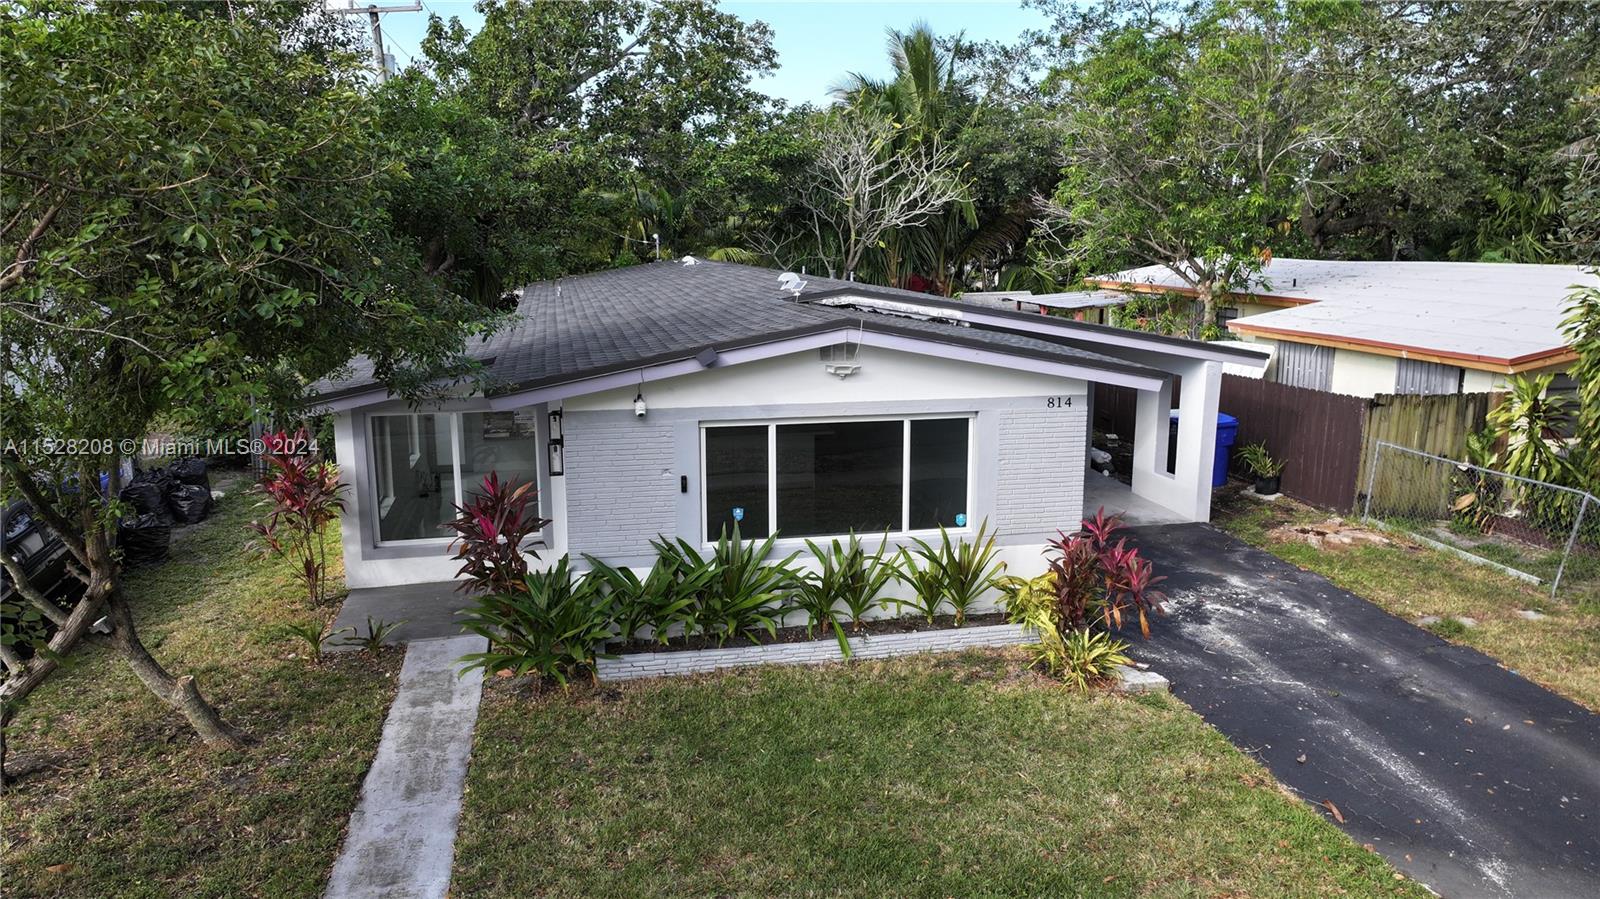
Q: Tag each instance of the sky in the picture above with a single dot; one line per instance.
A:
(818, 43)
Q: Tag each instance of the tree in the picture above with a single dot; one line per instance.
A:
(606, 112)
(861, 187)
(1193, 134)
(193, 221)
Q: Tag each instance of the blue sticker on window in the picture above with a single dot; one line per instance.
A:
(738, 513)
(961, 519)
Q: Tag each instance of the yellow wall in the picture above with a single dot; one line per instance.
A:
(1362, 374)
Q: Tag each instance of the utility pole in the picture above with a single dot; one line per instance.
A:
(373, 10)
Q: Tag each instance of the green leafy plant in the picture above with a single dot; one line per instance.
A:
(955, 573)
(660, 600)
(743, 592)
(1087, 657)
(312, 636)
(846, 576)
(1255, 457)
(555, 626)
(372, 641)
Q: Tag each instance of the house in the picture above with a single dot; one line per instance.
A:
(677, 398)
(1366, 328)
(1080, 305)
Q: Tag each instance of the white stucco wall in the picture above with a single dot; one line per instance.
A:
(794, 386)
(1362, 374)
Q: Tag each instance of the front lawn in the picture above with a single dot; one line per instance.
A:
(116, 796)
(932, 775)
(1561, 651)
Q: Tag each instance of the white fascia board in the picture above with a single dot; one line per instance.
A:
(627, 378)
(977, 315)
(350, 401)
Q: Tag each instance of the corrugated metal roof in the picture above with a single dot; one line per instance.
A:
(1487, 312)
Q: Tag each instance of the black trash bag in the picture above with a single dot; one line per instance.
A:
(144, 539)
(189, 503)
(190, 471)
(147, 495)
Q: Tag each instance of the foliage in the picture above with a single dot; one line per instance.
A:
(553, 626)
(1478, 495)
(302, 494)
(372, 641)
(312, 636)
(956, 572)
(1089, 576)
(1260, 462)
(1582, 331)
(490, 532)
(1530, 420)
(1083, 658)
(743, 592)
(846, 575)
(197, 226)
(664, 598)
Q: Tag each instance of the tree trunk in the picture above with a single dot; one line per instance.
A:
(178, 692)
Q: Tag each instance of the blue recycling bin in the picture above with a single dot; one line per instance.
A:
(1227, 433)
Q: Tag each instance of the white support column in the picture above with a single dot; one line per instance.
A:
(1152, 412)
(1197, 438)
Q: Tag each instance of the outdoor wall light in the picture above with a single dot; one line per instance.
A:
(557, 445)
(639, 407)
(557, 459)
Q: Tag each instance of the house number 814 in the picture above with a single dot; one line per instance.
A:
(1058, 402)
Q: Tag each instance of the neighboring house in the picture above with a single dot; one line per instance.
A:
(676, 398)
(1366, 328)
(1080, 305)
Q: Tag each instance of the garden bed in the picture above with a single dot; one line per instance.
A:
(803, 634)
(875, 644)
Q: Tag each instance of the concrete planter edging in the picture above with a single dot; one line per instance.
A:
(815, 652)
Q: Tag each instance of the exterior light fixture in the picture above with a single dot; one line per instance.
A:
(639, 407)
(557, 445)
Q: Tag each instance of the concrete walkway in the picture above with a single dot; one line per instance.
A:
(401, 840)
(1469, 778)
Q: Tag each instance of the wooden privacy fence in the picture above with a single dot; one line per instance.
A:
(1324, 439)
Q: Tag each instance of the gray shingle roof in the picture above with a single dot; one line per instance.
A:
(584, 325)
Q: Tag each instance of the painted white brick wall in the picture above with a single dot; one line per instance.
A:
(1039, 482)
(621, 490)
(881, 646)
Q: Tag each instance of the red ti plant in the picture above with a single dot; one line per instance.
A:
(1090, 571)
(490, 531)
(302, 494)
(1130, 581)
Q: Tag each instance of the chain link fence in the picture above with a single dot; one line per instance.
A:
(1539, 532)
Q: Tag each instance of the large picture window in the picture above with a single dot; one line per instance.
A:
(810, 479)
(424, 464)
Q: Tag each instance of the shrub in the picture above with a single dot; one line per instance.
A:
(1260, 462)
(742, 592)
(553, 626)
(1089, 577)
(846, 575)
(1087, 657)
(955, 572)
(490, 531)
(302, 494)
(663, 598)
(378, 631)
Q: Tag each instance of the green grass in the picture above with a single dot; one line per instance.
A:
(1561, 652)
(928, 776)
(120, 799)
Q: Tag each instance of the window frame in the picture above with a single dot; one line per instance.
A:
(905, 419)
(454, 421)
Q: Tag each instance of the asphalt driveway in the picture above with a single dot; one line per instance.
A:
(1463, 774)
